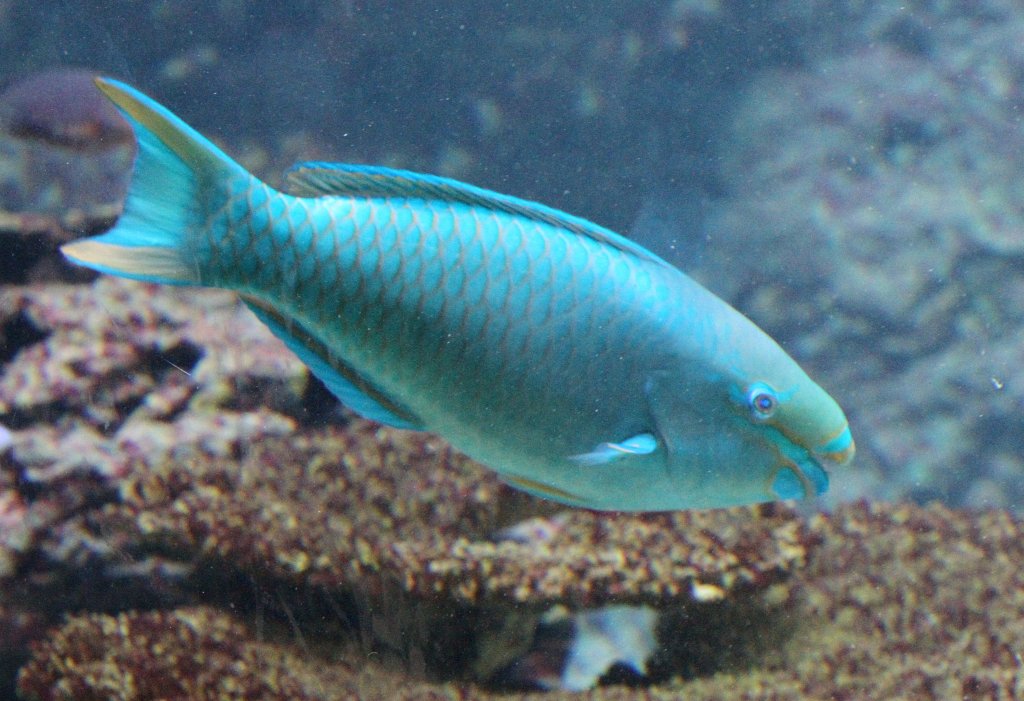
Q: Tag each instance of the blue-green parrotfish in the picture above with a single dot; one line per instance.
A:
(574, 362)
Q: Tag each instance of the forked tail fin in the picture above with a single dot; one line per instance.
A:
(179, 176)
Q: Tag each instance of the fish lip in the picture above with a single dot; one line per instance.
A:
(814, 476)
(814, 471)
(810, 466)
(806, 465)
(808, 472)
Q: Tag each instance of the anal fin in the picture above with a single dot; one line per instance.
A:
(543, 490)
(343, 382)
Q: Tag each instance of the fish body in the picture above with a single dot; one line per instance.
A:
(577, 364)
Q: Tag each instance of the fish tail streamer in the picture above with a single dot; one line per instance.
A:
(179, 179)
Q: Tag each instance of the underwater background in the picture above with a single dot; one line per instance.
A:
(185, 513)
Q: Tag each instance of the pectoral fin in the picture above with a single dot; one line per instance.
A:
(640, 444)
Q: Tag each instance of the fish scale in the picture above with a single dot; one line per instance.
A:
(580, 366)
(366, 310)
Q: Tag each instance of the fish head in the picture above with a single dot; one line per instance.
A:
(756, 428)
(793, 432)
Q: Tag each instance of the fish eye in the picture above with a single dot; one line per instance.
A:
(762, 401)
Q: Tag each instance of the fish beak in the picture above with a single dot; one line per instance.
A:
(837, 451)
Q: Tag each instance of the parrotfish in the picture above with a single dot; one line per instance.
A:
(574, 362)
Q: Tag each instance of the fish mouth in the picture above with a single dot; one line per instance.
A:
(802, 477)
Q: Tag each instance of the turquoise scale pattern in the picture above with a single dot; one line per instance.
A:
(460, 309)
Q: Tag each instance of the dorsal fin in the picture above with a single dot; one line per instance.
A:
(314, 179)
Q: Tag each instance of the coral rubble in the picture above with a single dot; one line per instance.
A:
(895, 602)
(900, 601)
(184, 654)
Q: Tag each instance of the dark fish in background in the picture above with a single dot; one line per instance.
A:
(65, 161)
(63, 107)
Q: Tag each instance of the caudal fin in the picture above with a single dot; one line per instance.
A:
(176, 180)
